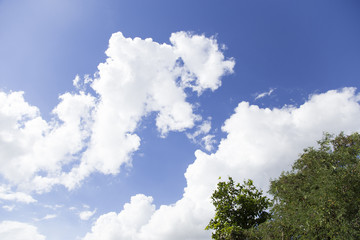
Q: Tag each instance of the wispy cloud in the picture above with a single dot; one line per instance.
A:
(54, 207)
(8, 195)
(46, 217)
(264, 94)
(8, 208)
(208, 141)
(86, 215)
(200, 135)
(202, 129)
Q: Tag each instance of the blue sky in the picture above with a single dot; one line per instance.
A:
(129, 144)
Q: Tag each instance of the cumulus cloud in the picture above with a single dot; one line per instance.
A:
(204, 63)
(260, 143)
(11, 230)
(30, 146)
(97, 133)
(127, 223)
(140, 77)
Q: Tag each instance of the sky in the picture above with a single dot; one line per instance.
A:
(118, 117)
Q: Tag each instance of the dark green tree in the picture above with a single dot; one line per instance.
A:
(238, 209)
(320, 197)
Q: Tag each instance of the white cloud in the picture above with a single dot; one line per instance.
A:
(204, 64)
(15, 135)
(86, 206)
(86, 215)
(127, 223)
(264, 94)
(130, 87)
(198, 137)
(8, 208)
(31, 147)
(8, 195)
(261, 143)
(208, 142)
(53, 207)
(46, 217)
(204, 128)
(88, 133)
(81, 83)
(49, 216)
(76, 81)
(11, 230)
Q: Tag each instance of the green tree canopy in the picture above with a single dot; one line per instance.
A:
(318, 199)
(238, 208)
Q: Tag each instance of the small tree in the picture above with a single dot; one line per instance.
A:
(238, 209)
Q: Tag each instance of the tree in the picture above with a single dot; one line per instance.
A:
(320, 197)
(238, 209)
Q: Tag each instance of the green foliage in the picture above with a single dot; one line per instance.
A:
(238, 208)
(320, 197)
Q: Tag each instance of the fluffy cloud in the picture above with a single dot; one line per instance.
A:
(204, 63)
(17, 129)
(260, 143)
(31, 147)
(140, 77)
(97, 133)
(11, 230)
(127, 223)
